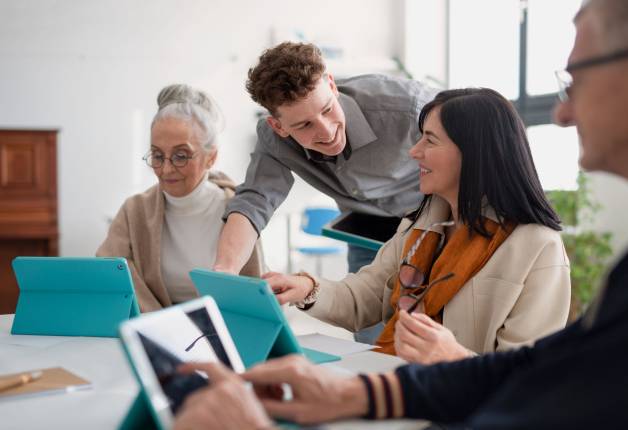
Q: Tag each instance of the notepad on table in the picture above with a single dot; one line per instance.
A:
(53, 380)
(333, 345)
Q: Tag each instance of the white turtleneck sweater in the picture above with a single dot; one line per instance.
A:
(189, 239)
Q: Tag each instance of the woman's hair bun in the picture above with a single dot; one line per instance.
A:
(182, 93)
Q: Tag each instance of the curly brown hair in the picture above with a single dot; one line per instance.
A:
(285, 74)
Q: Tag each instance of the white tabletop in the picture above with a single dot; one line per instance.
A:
(102, 361)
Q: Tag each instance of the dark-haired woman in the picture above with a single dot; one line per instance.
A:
(479, 267)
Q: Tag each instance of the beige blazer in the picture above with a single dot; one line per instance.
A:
(520, 295)
(135, 234)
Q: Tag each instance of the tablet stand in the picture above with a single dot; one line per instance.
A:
(139, 415)
(66, 296)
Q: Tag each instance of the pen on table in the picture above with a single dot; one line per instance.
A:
(19, 380)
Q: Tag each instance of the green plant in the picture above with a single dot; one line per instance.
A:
(588, 251)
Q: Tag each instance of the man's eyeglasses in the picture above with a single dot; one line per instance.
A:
(157, 160)
(565, 79)
(412, 278)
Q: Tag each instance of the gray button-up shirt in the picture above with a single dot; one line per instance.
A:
(377, 176)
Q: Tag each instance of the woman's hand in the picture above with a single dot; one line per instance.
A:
(289, 288)
(420, 339)
(226, 404)
(318, 395)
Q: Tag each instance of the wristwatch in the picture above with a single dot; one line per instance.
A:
(311, 298)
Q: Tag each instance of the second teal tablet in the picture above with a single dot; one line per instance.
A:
(73, 296)
(253, 316)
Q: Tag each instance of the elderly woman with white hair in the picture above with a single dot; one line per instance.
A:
(174, 226)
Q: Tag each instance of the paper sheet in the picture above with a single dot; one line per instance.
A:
(332, 345)
(31, 341)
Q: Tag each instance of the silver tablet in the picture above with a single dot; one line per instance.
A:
(157, 343)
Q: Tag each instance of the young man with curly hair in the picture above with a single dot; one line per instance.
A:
(347, 138)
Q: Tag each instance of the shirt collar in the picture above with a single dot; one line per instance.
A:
(438, 211)
(319, 157)
(197, 200)
(359, 131)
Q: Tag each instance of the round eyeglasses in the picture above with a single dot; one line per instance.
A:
(410, 301)
(157, 160)
(412, 278)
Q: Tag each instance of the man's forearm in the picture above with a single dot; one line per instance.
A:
(452, 391)
(236, 243)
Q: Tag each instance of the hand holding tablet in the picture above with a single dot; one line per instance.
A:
(250, 302)
(288, 288)
(158, 344)
(229, 403)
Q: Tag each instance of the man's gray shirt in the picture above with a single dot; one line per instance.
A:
(376, 176)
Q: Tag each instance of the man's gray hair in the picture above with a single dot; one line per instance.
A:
(184, 102)
(613, 16)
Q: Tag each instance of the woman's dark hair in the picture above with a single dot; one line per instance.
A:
(497, 167)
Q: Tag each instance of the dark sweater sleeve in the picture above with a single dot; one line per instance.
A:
(450, 392)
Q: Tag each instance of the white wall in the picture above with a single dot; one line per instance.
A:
(426, 41)
(92, 68)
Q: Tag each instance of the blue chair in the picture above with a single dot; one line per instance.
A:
(313, 220)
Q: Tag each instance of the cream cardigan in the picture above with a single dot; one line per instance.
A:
(135, 234)
(521, 294)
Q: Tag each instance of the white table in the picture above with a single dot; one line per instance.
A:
(102, 361)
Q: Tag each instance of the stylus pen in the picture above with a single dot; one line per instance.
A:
(19, 380)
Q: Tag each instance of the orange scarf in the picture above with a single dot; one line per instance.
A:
(463, 255)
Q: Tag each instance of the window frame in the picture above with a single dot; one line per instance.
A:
(534, 110)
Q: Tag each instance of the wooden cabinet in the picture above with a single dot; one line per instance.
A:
(28, 203)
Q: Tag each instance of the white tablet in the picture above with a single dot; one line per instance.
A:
(157, 343)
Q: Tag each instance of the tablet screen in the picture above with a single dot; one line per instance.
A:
(175, 386)
(374, 227)
(161, 342)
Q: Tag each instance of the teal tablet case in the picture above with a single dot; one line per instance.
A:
(253, 317)
(141, 415)
(352, 239)
(73, 296)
